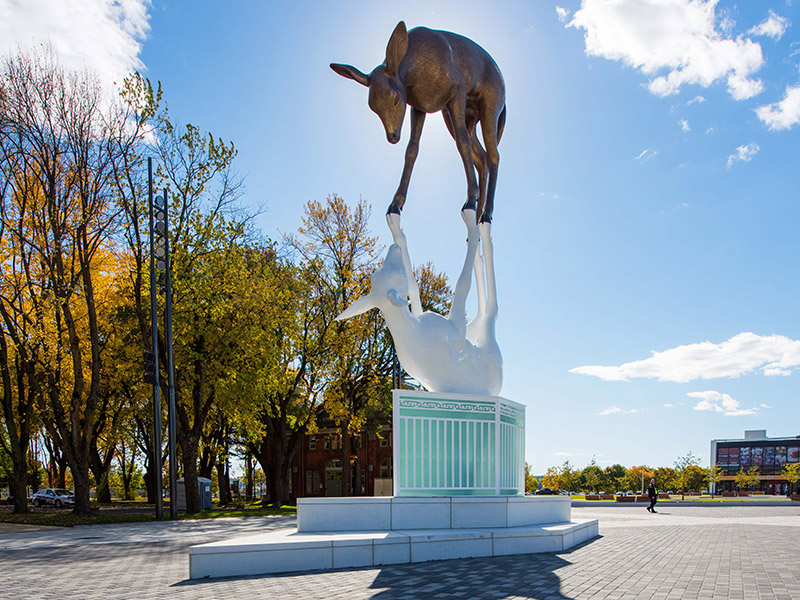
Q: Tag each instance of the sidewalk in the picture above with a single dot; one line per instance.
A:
(740, 553)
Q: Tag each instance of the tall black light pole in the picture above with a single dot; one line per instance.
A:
(153, 362)
(173, 455)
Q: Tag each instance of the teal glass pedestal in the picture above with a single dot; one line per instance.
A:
(457, 445)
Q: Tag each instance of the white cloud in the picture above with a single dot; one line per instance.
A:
(697, 99)
(668, 405)
(563, 14)
(773, 26)
(616, 410)
(722, 403)
(563, 454)
(646, 155)
(709, 130)
(744, 153)
(676, 37)
(765, 405)
(741, 354)
(103, 35)
(783, 114)
(684, 125)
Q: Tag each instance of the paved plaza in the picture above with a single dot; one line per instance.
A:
(681, 552)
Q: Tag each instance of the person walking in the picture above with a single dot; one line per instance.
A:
(652, 492)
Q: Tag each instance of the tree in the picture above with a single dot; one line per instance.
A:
(531, 483)
(207, 230)
(592, 477)
(696, 477)
(335, 239)
(569, 477)
(58, 215)
(666, 478)
(635, 476)
(682, 465)
(747, 479)
(281, 366)
(713, 477)
(614, 476)
(552, 478)
(792, 474)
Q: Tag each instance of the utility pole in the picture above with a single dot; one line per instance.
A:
(161, 281)
(153, 358)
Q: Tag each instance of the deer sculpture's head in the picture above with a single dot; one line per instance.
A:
(387, 93)
(389, 287)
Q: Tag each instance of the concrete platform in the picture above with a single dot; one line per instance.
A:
(449, 512)
(292, 550)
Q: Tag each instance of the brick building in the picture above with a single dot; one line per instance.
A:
(317, 469)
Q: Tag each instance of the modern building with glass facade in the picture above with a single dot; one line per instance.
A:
(770, 455)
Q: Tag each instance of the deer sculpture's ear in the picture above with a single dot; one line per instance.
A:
(396, 299)
(361, 305)
(351, 73)
(396, 49)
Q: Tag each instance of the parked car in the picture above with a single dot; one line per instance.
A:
(546, 492)
(53, 497)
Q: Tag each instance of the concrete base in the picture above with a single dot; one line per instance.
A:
(450, 512)
(290, 550)
(331, 535)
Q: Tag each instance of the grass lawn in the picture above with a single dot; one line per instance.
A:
(132, 512)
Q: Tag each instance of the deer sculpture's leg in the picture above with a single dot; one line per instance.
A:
(475, 327)
(491, 287)
(456, 109)
(489, 122)
(458, 311)
(417, 121)
(399, 238)
(479, 160)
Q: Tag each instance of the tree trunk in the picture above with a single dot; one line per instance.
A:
(149, 483)
(100, 467)
(80, 477)
(19, 487)
(189, 453)
(357, 473)
(346, 479)
(224, 481)
(248, 474)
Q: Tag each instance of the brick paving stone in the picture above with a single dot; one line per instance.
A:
(711, 553)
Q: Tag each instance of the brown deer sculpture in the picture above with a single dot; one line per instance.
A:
(434, 71)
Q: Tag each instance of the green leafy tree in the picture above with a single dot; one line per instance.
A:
(633, 478)
(746, 480)
(531, 483)
(682, 465)
(569, 477)
(614, 476)
(713, 477)
(335, 239)
(552, 478)
(666, 478)
(792, 474)
(592, 477)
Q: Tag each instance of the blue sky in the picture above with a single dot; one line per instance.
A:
(647, 201)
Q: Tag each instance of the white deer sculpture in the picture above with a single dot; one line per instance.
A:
(445, 354)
